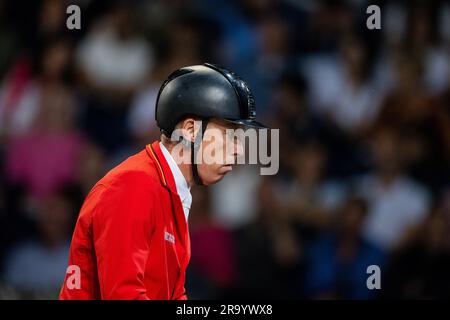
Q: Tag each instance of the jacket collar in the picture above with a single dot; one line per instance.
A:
(165, 174)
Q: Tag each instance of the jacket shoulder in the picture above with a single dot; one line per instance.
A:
(136, 171)
(127, 192)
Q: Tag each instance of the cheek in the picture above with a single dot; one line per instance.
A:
(214, 151)
(219, 147)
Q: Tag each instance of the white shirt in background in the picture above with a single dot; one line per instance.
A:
(393, 209)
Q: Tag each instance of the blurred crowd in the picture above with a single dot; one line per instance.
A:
(364, 119)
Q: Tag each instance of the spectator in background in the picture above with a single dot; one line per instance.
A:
(356, 106)
(269, 254)
(23, 92)
(51, 22)
(327, 21)
(19, 97)
(337, 261)
(423, 40)
(397, 204)
(212, 271)
(113, 39)
(309, 199)
(109, 85)
(343, 89)
(422, 121)
(237, 44)
(291, 112)
(292, 115)
(43, 47)
(445, 129)
(35, 267)
(342, 93)
(51, 141)
(273, 58)
(257, 45)
(235, 206)
(419, 30)
(3, 220)
(420, 270)
(8, 40)
(90, 167)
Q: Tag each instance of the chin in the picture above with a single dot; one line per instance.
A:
(214, 180)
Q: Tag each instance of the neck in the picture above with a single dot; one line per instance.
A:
(184, 167)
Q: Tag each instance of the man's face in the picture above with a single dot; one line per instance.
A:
(220, 149)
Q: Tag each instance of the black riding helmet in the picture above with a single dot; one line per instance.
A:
(204, 91)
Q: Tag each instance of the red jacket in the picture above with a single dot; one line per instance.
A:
(131, 240)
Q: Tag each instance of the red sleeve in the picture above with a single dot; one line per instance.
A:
(122, 227)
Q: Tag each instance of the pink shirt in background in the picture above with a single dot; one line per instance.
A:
(43, 162)
(213, 253)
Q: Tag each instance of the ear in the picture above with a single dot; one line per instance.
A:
(188, 129)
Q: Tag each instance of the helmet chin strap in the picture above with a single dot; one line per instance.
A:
(195, 147)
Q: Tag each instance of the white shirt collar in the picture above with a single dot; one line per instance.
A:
(183, 189)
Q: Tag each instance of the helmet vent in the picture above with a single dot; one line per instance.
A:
(245, 96)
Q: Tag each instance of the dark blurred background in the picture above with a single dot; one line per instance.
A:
(364, 118)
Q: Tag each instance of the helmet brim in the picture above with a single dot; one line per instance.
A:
(247, 123)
